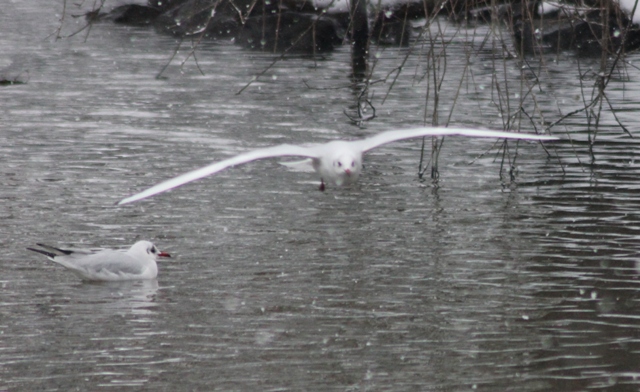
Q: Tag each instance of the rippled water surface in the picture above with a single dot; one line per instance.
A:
(393, 284)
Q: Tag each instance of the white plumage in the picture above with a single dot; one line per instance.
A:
(138, 262)
(337, 162)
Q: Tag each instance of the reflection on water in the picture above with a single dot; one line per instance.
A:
(390, 285)
(121, 298)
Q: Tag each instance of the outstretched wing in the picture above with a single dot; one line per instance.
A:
(392, 136)
(263, 153)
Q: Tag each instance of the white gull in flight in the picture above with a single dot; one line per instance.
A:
(337, 162)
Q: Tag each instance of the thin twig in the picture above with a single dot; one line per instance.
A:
(175, 52)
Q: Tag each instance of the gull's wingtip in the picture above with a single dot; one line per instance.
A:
(126, 200)
(542, 136)
(141, 196)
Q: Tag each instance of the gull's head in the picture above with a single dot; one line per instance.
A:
(346, 168)
(146, 250)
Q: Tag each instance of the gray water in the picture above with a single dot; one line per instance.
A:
(393, 284)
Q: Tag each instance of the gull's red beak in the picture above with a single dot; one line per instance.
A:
(163, 254)
(348, 171)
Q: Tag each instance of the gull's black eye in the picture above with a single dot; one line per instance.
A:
(153, 250)
(353, 164)
(340, 164)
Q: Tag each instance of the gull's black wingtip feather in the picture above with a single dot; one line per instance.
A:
(43, 252)
(63, 251)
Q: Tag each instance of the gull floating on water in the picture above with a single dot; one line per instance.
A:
(337, 162)
(139, 262)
